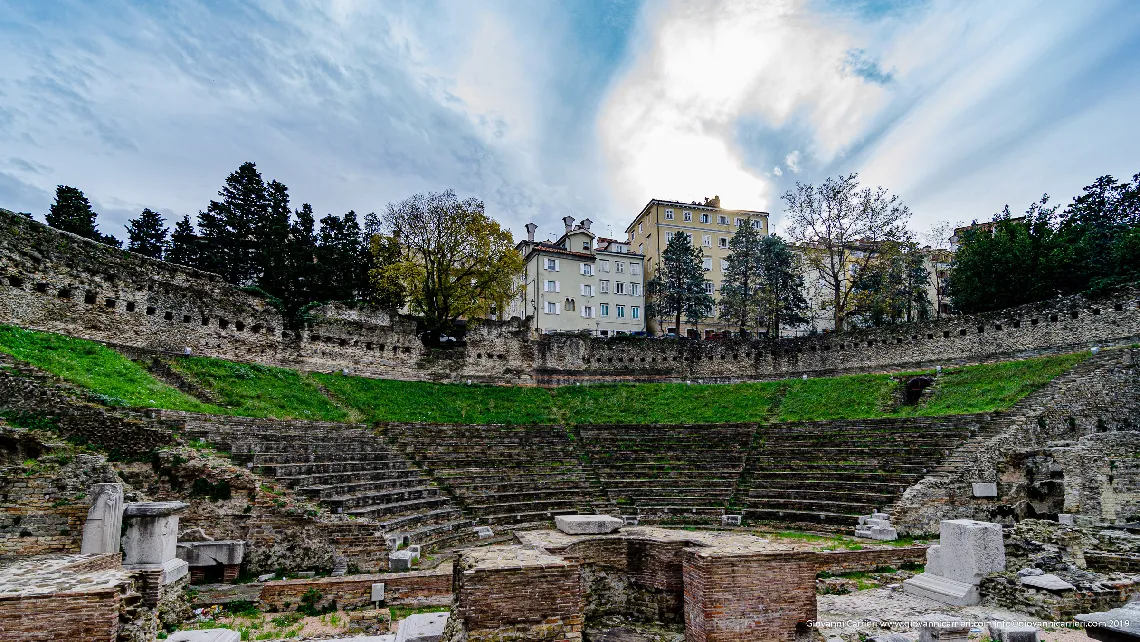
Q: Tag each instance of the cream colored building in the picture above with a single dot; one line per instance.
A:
(709, 226)
(574, 283)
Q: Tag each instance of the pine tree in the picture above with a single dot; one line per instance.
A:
(71, 212)
(272, 238)
(740, 298)
(228, 227)
(300, 265)
(781, 285)
(184, 244)
(147, 234)
(341, 265)
(678, 286)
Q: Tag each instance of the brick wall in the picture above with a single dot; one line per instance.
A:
(868, 560)
(642, 580)
(418, 588)
(86, 616)
(59, 282)
(744, 598)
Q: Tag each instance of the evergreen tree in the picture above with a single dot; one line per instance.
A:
(272, 238)
(781, 285)
(147, 234)
(678, 286)
(341, 266)
(893, 288)
(228, 227)
(740, 296)
(184, 244)
(71, 212)
(300, 264)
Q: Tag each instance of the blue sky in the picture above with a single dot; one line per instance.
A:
(586, 108)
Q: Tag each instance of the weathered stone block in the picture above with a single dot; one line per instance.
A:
(730, 520)
(971, 549)
(103, 528)
(985, 489)
(587, 524)
(1047, 581)
(1011, 632)
(484, 532)
(228, 552)
(934, 560)
(400, 561)
(1114, 625)
(152, 533)
(942, 589)
(422, 627)
(205, 635)
(943, 628)
(1065, 518)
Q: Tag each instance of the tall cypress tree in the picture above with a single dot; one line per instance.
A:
(678, 287)
(781, 285)
(71, 212)
(228, 227)
(272, 237)
(300, 264)
(147, 234)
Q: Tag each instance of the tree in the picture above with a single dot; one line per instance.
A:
(228, 227)
(1010, 262)
(893, 287)
(740, 298)
(678, 285)
(781, 286)
(839, 228)
(71, 212)
(271, 232)
(385, 251)
(184, 244)
(147, 234)
(457, 262)
(341, 264)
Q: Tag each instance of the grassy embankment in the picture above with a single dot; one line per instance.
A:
(261, 391)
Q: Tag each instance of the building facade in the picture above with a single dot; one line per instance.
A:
(709, 226)
(579, 283)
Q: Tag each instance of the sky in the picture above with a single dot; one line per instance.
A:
(546, 108)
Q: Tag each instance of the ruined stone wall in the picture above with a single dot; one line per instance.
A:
(54, 281)
(748, 597)
(642, 580)
(1053, 442)
(85, 616)
(417, 588)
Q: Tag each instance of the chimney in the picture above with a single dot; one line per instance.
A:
(568, 221)
(586, 224)
(530, 228)
(716, 201)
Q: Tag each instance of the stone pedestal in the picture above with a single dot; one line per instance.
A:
(101, 531)
(968, 550)
(151, 546)
(205, 555)
(587, 524)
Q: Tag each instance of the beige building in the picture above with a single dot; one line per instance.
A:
(578, 282)
(709, 226)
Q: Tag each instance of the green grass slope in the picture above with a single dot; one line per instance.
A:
(261, 391)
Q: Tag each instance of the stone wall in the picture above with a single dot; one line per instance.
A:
(1063, 448)
(417, 588)
(58, 282)
(640, 580)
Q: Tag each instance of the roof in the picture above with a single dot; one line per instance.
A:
(554, 249)
(691, 206)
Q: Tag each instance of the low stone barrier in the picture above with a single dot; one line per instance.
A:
(416, 588)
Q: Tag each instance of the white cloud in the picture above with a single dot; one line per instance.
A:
(777, 172)
(792, 161)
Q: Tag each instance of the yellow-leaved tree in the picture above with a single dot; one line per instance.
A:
(454, 262)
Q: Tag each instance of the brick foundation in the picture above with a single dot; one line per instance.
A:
(417, 588)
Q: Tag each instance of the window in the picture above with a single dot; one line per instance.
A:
(619, 287)
(587, 269)
(552, 264)
(604, 287)
(707, 264)
(704, 218)
(688, 217)
(619, 266)
(636, 311)
(587, 312)
(706, 240)
(641, 248)
(639, 228)
(635, 289)
(621, 312)
(587, 289)
(668, 215)
(570, 305)
(690, 235)
(585, 245)
(552, 307)
(635, 268)
(550, 286)
(724, 265)
(736, 221)
(757, 224)
(723, 220)
(604, 309)
(604, 266)
(708, 287)
(724, 241)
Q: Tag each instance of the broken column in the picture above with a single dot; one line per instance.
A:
(101, 531)
(968, 550)
(150, 545)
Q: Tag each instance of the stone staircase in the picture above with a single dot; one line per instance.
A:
(345, 467)
(510, 476)
(828, 473)
(674, 473)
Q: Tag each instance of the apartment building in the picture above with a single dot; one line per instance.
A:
(709, 226)
(579, 282)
